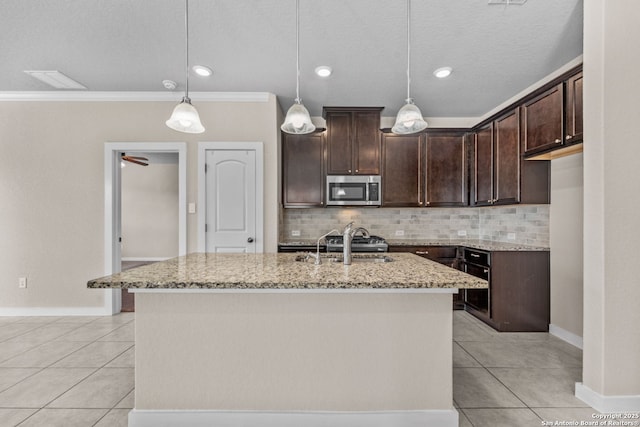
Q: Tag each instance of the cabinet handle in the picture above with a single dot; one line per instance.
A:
(568, 137)
(474, 255)
(422, 252)
(490, 201)
(427, 203)
(557, 141)
(486, 270)
(349, 170)
(356, 171)
(420, 203)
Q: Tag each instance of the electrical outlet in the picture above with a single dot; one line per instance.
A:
(295, 233)
(511, 236)
(399, 233)
(22, 282)
(462, 233)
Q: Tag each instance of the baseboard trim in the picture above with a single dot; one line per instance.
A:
(566, 336)
(144, 259)
(607, 404)
(426, 418)
(54, 311)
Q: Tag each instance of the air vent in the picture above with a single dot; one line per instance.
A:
(56, 79)
(508, 2)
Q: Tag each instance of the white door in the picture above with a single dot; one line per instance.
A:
(231, 201)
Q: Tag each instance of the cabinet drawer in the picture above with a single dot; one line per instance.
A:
(477, 257)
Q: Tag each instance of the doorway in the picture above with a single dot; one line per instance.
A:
(230, 189)
(114, 206)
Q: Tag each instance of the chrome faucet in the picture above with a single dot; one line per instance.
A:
(347, 237)
(316, 256)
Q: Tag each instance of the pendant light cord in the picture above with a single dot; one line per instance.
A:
(186, 30)
(298, 100)
(408, 50)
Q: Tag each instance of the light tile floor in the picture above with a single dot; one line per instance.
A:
(79, 371)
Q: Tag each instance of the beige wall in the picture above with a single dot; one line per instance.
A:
(150, 207)
(565, 229)
(52, 186)
(611, 203)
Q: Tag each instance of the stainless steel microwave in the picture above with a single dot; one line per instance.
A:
(354, 190)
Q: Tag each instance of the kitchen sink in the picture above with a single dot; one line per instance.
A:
(337, 258)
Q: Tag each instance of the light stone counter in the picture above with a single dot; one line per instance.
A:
(282, 272)
(263, 340)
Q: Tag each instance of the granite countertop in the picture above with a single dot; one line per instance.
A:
(486, 245)
(281, 271)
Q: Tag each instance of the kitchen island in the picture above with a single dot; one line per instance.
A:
(264, 340)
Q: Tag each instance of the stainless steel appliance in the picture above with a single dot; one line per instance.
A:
(354, 190)
(358, 244)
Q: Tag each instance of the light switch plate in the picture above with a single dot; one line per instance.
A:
(192, 208)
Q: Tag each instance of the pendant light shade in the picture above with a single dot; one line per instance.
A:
(409, 119)
(185, 117)
(298, 120)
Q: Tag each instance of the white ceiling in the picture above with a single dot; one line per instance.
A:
(132, 45)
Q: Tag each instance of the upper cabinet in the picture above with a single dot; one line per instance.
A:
(499, 174)
(303, 172)
(446, 169)
(552, 120)
(542, 121)
(573, 109)
(353, 140)
(402, 166)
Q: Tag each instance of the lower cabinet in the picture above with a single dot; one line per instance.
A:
(517, 299)
(447, 255)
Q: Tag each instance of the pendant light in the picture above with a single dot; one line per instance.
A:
(185, 117)
(297, 120)
(409, 119)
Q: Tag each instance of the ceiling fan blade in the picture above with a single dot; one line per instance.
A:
(129, 159)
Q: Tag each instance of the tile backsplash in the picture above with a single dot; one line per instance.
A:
(522, 224)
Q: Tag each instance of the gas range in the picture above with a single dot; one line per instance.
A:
(358, 244)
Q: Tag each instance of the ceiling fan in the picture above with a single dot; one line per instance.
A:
(142, 161)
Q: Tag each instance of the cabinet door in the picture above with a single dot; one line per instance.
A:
(573, 109)
(446, 173)
(483, 166)
(339, 148)
(366, 143)
(303, 176)
(542, 121)
(402, 170)
(507, 159)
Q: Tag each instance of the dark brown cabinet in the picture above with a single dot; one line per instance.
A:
(446, 169)
(303, 175)
(500, 175)
(353, 140)
(402, 170)
(517, 299)
(573, 109)
(542, 121)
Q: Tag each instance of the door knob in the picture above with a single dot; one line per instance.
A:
(250, 240)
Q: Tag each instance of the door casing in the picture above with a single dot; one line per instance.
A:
(113, 211)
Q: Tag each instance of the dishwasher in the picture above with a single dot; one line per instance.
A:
(477, 263)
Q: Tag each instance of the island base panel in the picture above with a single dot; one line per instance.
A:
(294, 353)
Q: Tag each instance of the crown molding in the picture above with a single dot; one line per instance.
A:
(93, 96)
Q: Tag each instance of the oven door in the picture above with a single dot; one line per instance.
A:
(479, 299)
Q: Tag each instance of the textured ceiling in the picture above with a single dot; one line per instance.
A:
(132, 45)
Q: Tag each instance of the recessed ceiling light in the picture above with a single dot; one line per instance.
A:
(203, 71)
(323, 71)
(56, 79)
(443, 72)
